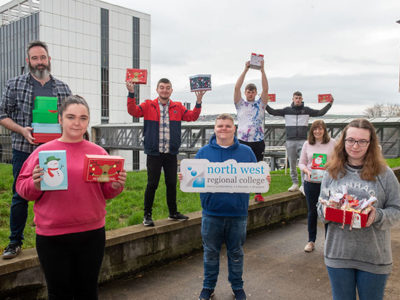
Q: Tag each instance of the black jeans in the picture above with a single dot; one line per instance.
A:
(154, 163)
(71, 263)
(312, 190)
(257, 147)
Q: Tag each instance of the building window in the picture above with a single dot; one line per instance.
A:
(136, 65)
(105, 83)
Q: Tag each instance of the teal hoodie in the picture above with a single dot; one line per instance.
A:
(225, 204)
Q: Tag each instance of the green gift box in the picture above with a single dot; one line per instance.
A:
(45, 103)
(44, 117)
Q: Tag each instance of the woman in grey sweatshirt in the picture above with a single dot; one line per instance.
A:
(360, 259)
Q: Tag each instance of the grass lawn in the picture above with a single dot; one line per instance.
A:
(127, 208)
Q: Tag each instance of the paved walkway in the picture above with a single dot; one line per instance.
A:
(276, 267)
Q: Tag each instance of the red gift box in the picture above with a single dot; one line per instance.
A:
(350, 218)
(324, 98)
(41, 138)
(271, 97)
(102, 168)
(137, 76)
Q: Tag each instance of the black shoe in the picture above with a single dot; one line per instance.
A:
(178, 217)
(11, 251)
(206, 294)
(147, 220)
(239, 294)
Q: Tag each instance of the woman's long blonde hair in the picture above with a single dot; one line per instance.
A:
(374, 163)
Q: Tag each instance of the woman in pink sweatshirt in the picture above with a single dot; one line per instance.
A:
(315, 152)
(70, 234)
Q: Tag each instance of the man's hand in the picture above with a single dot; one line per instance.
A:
(36, 173)
(199, 96)
(247, 66)
(130, 86)
(27, 134)
(262, 65)
(180, 177)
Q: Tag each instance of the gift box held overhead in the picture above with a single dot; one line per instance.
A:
(102, 168)
(271, 97)
(138, 76)
(201, 82)
(325, 98)
(255, 61)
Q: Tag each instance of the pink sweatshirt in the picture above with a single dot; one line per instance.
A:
(80, 208)
(308, 150)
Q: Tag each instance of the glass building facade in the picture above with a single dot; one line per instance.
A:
(14, 38)
(105, 83)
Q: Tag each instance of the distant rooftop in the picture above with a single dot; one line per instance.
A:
(17, 9)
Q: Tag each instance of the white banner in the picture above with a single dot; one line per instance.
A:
(200, 176)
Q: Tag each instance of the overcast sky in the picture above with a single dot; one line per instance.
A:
(347, 48)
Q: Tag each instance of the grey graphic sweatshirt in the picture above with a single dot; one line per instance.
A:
(367, 249)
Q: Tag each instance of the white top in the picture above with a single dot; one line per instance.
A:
(250, 120)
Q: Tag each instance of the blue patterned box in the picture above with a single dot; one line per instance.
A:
(54, 164)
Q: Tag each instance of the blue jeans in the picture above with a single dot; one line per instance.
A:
(312, 190)
(218, 230)
(344, 282)
(19, 206)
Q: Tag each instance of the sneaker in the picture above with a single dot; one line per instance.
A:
(294, 187)
(178, 217)
(239, 294)
(11, 251)
(206, 294)
(309, 247)
(147, 220)
(259, 198)
(301, 189)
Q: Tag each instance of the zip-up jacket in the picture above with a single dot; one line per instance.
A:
(225, 204)
(296, 119)
(150, 110)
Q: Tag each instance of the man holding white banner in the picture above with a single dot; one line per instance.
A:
(224, 217)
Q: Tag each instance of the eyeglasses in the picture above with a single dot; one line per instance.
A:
(361, 143)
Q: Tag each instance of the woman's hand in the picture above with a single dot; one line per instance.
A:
(180, 177)
(371, 217)
(120, 183)
(308, 173)
(36, 176)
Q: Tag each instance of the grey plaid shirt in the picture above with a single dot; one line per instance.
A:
(17, 104)
(164, 128)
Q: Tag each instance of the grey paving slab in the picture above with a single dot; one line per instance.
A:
(276, 267)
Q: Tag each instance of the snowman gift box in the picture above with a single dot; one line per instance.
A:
(54, 164)
(102, 168)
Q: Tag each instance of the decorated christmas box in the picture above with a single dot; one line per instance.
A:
(41, 138)
(271, 97)
(355, 219)
(318, 166)
(54, 164)
(201, 82)
(324, 98)
(255, 61)
(45, 119)
(102, 168)
(46, 128)
(138, 76)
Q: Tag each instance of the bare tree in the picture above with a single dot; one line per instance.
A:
(383, 110)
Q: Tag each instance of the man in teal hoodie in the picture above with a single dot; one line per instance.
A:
(224, 217)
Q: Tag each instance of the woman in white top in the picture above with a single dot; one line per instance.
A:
(314, 155)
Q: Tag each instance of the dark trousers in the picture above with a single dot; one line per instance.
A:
(168, 162)
(19, 206)
(71, 263)
(257, 147)
(312, 190)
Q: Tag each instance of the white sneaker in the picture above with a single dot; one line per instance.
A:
(294, 187)
(309, 247)
(301, 189)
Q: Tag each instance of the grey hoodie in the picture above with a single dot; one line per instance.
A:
(367, 249)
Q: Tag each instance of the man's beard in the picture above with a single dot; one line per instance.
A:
(40, 74)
